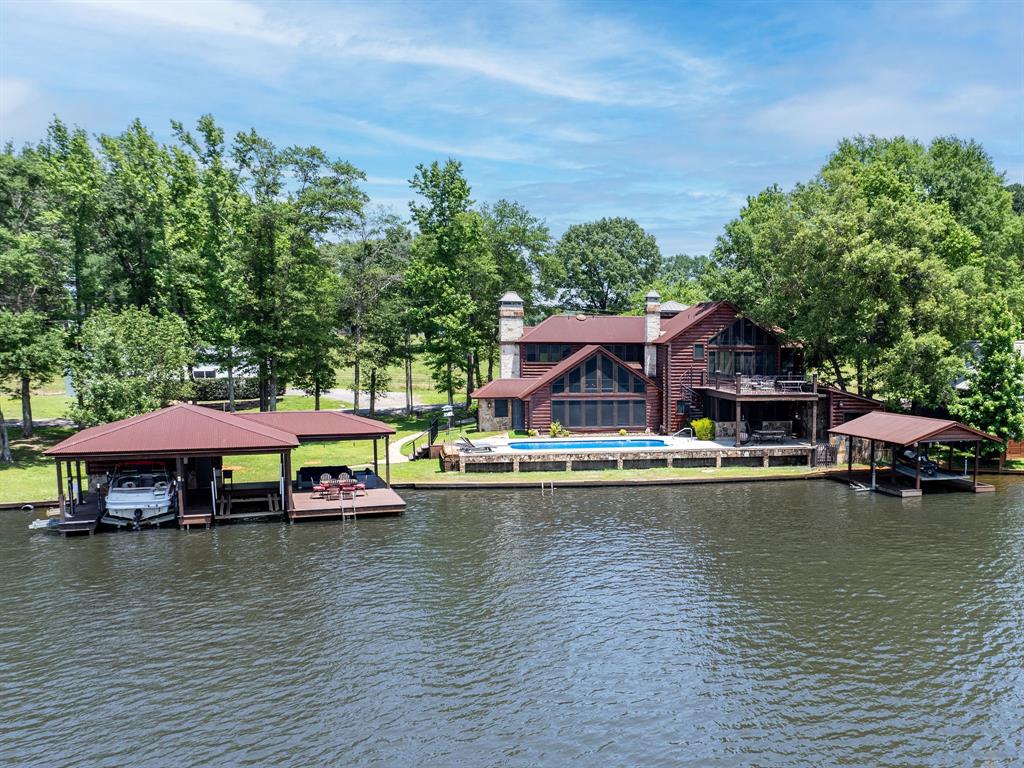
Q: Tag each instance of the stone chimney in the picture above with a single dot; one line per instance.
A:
(510, 330)
(652, 330)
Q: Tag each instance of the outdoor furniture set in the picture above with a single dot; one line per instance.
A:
(336, 489)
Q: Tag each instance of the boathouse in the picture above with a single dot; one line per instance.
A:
(192, 442)
(909, 439)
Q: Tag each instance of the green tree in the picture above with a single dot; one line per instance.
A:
(597, 267)
(451, 277)
(994, 400)
(215, 240)
(130, 362)
(868, 266)
(33, 291)
(372, 306)
(296, 199)
(679, 279)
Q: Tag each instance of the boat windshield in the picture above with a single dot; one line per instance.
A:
(147, 478)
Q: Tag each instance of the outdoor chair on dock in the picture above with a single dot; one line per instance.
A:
(320, 488)
(350, 485)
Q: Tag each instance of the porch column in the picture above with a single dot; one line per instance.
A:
(849, 458)
(78, 476)
(71, 484)
(949, 458)
(977, 451)
(375, 456)
(60, 491)
(917, 466)
(287, 465)
(179, 468)
(387, 460)
(738, 420)
(872, 465)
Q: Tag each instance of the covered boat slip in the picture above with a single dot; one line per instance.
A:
(909, 437)
(193, 441)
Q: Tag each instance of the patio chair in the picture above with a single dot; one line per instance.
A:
(466, 445)
(320, 487)
(350, 484)
(333, 491)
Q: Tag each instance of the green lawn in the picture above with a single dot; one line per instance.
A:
(44, 406)
(32, 477)
(423, 388)
(304, 403)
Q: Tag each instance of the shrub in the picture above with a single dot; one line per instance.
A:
(623, 432)
(532, 433)
(557, 430)
(246, 388)
(703, 429)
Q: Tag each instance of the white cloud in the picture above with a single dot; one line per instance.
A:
(223, 17)
(883, 107)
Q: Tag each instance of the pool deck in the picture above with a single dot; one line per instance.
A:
(559, 454)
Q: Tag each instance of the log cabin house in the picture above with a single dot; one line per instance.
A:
(657, 372)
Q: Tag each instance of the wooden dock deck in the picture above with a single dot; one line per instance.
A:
(376, 501)
(85, 519)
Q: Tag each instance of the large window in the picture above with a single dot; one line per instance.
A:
(759, 362)
(547, 353)
(582, 414)
(630, 353)
(743, 333)
(599, 374)
(501, 409)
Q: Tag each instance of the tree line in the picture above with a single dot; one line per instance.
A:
(125, 261)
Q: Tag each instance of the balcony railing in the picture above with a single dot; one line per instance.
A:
(746, 384)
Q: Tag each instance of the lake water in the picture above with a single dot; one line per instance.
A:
(783, 624)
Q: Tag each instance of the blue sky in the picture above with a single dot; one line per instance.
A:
(669, 113)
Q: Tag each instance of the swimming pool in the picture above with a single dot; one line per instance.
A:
(586, 445)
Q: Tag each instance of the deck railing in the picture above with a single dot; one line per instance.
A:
(747, 384)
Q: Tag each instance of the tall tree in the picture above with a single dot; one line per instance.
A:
(33, 291)
(994, 400)
(599, 266)
(130, 362)
(868, 266)
(219, 270)
(296, 199)
(371, 269)
(452, 275)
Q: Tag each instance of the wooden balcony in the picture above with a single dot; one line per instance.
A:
(752, 388)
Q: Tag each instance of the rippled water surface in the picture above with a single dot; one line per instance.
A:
(790, 624)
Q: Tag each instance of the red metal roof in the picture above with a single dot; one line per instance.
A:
(502, 388)
(903, 429)
(673, 326)
(587, 329)
(178, 430)
(321, 425)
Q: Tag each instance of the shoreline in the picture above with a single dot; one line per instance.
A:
(479, 485)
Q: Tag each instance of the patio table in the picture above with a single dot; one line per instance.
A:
(768, 435)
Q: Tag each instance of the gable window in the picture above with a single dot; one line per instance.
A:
(501, 409)
(599, 374)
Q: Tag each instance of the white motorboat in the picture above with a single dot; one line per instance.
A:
(139, 494)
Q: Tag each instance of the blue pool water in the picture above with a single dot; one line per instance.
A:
(586, 445)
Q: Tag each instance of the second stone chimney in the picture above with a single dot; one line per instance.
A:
(652, 330)
(510, 330)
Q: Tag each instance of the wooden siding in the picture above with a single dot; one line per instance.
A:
(682, 368)
(844, 406)
(1015, 449)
